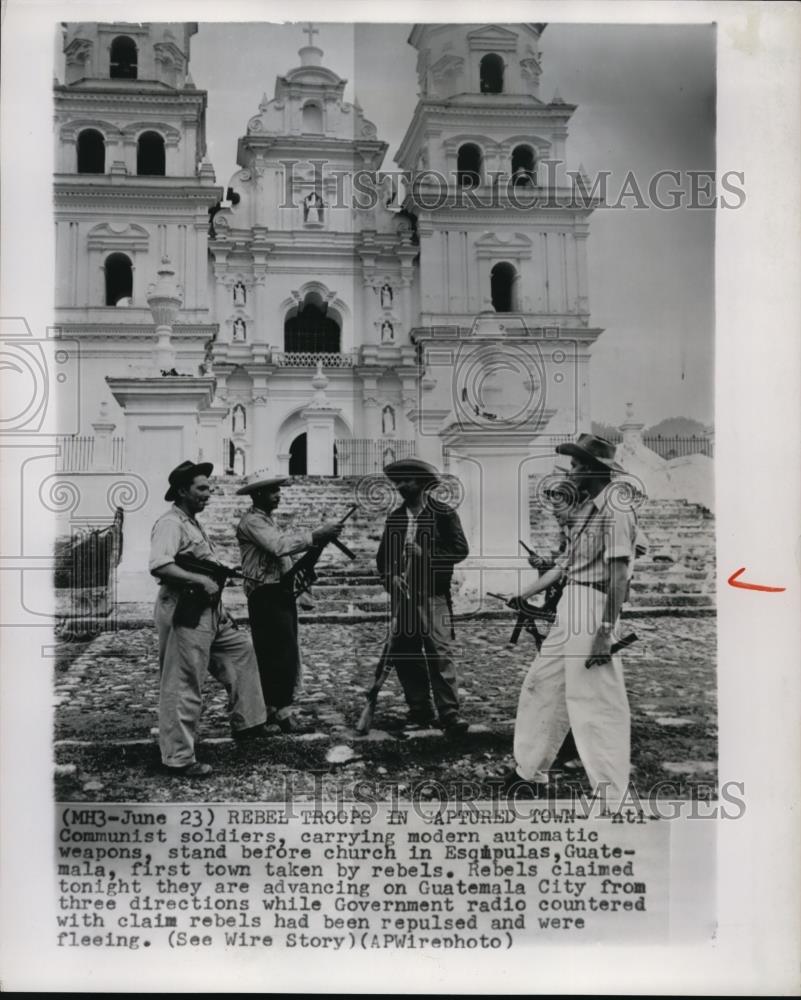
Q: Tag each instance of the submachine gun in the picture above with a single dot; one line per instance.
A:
(302, 574)
(193, 599)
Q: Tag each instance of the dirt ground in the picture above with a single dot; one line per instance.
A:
(105, 747)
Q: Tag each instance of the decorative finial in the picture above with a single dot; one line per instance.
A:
(320, 381)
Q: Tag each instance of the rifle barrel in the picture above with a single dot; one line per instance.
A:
(343, 548)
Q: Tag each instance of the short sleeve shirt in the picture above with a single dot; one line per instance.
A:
(601, 531)
(176, 533)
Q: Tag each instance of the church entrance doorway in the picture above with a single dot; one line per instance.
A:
(297, 456)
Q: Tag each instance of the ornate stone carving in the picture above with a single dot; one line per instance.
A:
(446, 66)
(78, 52)
(530, 68)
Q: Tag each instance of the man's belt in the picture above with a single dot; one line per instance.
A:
(602, 587)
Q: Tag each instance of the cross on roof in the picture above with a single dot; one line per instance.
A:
(311, 31)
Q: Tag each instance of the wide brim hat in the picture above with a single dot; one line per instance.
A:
(594, 449)
(185, 473)
(416, 468)
(260, 481)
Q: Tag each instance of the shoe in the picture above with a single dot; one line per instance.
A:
(515, 787)
(193, 770)
(287, 724)
(455, 726)
(419, 720)
(253, 733)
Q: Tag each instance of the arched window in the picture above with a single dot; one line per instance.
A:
(468, 166)
(119, 279)
(312, 118)
(123, 58)
(310, 330)
(491, 71)
(503, 281)
(91, 152)
(150, 155)
(297, 456)
(523, 166)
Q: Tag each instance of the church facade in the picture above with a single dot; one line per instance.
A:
(340, 318)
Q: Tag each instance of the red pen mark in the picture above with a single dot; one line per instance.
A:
(734, 581)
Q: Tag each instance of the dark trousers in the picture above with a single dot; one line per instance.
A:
(568, 750)
(274, 626)
(421, 651)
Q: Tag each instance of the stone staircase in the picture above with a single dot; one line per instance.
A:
(677, 575)
(679, 569)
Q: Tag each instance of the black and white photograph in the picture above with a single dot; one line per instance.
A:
(369, 486)
(236, 402)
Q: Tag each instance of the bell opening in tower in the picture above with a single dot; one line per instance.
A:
(118, 271)
(523, 166)
(123, 64)
(468, 166)
(150, 155)
(91, 152)
(503, 286)
(491, 71)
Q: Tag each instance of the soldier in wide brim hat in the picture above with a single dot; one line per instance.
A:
(195, 633)
(593, 449)
(411, 468)
(267, 550)
(183, 474)
(421, 543)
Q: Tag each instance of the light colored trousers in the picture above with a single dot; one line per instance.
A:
(185, 654)
(560, 693)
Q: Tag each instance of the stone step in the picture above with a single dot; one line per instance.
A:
(676, 528)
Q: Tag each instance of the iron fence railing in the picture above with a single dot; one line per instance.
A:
(310, 359)
(363, 456)
(77, 453)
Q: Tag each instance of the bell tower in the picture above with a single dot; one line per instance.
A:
(502, 233)
(504, 329)
(132, 186)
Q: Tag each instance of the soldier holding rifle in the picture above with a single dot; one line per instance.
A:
(186, 651)
(575, 681)
(272, 608)
(422, 542)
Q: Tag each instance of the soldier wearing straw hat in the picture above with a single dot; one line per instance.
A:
(186, 653)
(267, 553)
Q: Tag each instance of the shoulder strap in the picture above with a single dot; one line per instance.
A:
(574, 540)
